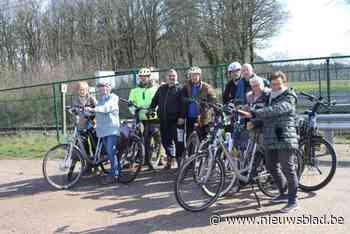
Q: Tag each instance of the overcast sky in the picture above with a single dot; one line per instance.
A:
(315, 28)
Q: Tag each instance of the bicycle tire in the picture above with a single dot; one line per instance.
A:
(269, 181)
(76, 157)
(317, 141)
(130, 165)
(190, 165)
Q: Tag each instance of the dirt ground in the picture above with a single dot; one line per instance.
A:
(29, 205)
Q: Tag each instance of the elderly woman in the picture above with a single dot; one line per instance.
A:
(259, 94)
(107, 125)
(280, 139)
(83, 100)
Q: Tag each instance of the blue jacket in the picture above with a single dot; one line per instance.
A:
(241, 91)
(192, 107)
(107, 116)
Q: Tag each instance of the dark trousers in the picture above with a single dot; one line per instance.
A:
(168, 133)
(281, 164)
(149, 129)
(190, 122)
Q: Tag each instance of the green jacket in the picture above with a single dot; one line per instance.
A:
(279, 122)
(142, 97)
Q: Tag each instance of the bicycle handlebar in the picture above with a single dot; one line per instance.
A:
(76, 110)
(151, 113)
(318, 101)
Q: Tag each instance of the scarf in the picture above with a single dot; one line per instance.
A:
(275, 94)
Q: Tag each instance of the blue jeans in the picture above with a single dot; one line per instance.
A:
(110, 145)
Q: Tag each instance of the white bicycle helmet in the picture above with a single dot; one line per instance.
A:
(195, 70)
(145, 72)
(103, 82)
(234, 66)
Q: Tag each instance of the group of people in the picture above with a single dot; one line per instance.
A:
(270, 106)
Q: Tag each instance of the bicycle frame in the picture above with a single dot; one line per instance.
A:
(218, 142)
(77, 141)
(239, 172)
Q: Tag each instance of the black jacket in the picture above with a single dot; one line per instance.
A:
(230, 90)
(168, 99)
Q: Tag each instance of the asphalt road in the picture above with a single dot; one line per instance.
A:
(148, 205)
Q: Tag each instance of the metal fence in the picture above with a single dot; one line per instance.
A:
(39, 106)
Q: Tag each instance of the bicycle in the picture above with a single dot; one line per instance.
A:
(197, 139)
(155, 139)
(63, 164)
(210, 168)
(245, 165)
(319, 157)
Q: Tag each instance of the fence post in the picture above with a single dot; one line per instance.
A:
(328, 82)
(134, 73)
(319, 83)
(55, 112)
(222, 80)
(63, 90)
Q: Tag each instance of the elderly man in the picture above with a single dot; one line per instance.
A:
(193, 111)
(168, 101)
(243, 86)
(234, 73)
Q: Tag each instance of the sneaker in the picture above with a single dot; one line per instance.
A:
(161, 162)
(87, 172)
(169, 164)
(289, 208)
(150, 167)
(282, 198)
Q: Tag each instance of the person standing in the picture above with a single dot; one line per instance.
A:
(280, 139)
(234, 72)
(107, 126)
(82, 100)
(193, 93)
(141, 97)
(168, 101)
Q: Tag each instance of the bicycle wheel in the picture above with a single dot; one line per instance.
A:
(319, 166)
(264, 179)
(155, 149)
(230, 176)
(192, 145)
(193, 175)
(131, 160)
(60, 170)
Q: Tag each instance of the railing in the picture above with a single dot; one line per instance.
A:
(330, 122)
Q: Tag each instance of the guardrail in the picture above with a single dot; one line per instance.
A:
(330, 122)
